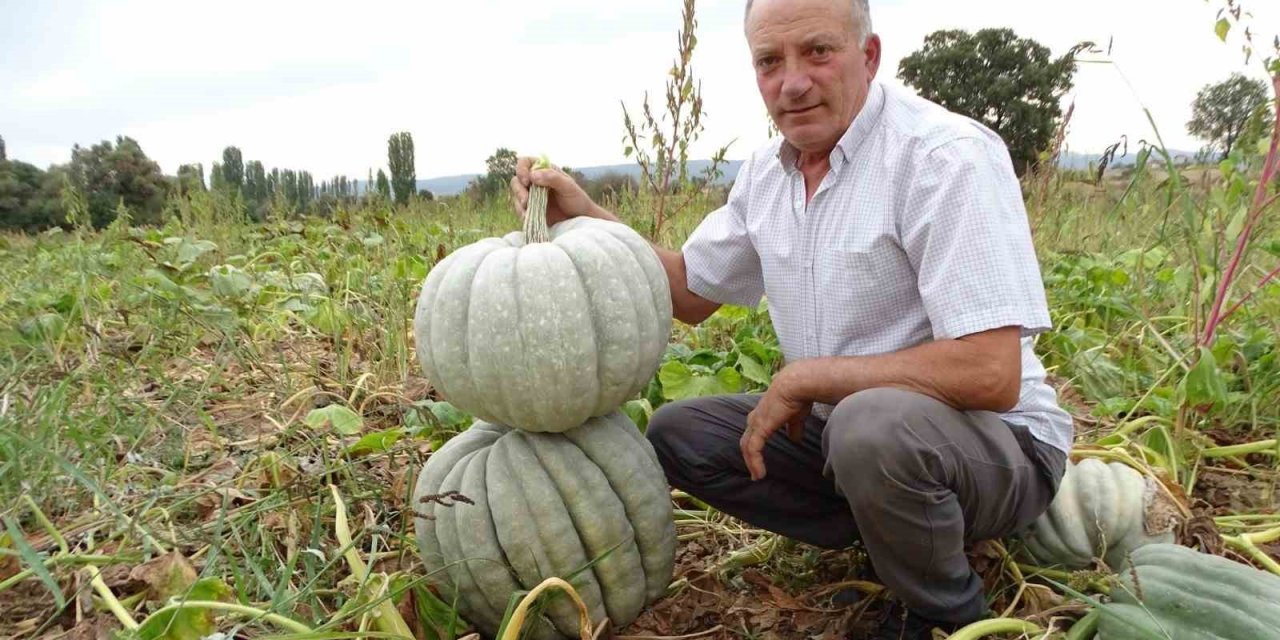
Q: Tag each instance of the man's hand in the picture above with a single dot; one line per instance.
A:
(780, 406)
(565, 198)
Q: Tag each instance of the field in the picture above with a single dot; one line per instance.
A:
(198, 403)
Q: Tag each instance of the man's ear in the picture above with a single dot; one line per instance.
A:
(872, 52)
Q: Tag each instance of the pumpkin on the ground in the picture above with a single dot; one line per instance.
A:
(542, 505)
(544, 335)
(1177, 593)
(1102, 510)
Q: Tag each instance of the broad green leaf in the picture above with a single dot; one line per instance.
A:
(187, 624)
(1203, 388)
(449, 415)
(376, 442)
(679, 381)
(337, 417)
(752, 369)
(639, 411)
(229, 282)
(328, 318)
(189, 252)
(1222, 28)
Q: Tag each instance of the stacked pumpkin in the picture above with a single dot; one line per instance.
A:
(543, 334)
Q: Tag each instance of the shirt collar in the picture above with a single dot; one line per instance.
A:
(862, 125)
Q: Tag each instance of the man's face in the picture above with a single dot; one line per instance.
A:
(812, 74)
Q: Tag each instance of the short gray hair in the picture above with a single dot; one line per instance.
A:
(861, 18)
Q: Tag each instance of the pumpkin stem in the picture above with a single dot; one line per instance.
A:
(535, 217)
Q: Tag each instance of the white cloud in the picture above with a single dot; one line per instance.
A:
(320, 85)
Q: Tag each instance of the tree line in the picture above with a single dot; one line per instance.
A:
(1010, 84)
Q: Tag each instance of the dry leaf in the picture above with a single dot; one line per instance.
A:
(166, 576)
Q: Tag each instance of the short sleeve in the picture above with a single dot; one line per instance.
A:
(721, 263)
(964, 228)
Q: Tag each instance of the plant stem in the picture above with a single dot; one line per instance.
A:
(984, 628)
(228, 607)
(385, 615)
(1242, 242)
(1264, 446)
(514, 625)
(110, 599)
(1245, 544)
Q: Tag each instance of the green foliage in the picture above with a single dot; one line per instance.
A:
(500, 169)
(191, 178)
(3, 154)
(109, 175)
(384, 187)
(1010, 84)
(660, 143)
(400, 161)
(29, 197)
(233, 168)
(1233, 112)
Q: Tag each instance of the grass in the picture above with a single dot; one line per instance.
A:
(197, 389)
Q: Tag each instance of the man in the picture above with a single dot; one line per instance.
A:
(891, 240)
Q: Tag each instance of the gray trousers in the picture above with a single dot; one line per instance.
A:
(909, 476)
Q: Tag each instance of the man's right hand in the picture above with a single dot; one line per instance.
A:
(565, 198)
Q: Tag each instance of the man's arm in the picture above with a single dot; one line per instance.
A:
(981, 371)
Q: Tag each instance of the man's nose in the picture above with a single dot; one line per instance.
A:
(795, 80)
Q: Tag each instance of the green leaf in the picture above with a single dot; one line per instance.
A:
(639, 411)
(752, 369)
(449, 415)
(328, 318)
(189, 252)
(679, 381)
(1204, 388)
(186, 624)
(33, 561)
(1162, 442)
(1222, 29)
(229, 282)
(337, 417)
(376, 442)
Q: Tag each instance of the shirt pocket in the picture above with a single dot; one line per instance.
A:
(861, 288)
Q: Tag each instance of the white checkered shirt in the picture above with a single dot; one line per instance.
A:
(918, 232)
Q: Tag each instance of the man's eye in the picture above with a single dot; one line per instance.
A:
(766, 61)
(821, 50)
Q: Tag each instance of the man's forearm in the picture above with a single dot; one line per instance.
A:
(979, 372)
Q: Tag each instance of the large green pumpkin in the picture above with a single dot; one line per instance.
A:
(1102, 510)
(1177, 593)
(544, 335)
(547, 504)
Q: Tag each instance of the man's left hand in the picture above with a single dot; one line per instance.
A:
(781, 405)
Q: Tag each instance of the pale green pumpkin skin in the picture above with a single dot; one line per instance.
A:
(1176, 592)
(547, 504)
(543, 336)
(1100, 511)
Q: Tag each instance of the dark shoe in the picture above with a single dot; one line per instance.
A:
(897, 623)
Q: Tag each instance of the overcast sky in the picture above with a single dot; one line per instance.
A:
(320, 85)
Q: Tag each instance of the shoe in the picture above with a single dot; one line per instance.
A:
(897, 623)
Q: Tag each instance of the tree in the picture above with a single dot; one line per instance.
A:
(233, 168)
(27, 201)
(400, 162)
(191, 177)
(1230, 112)
(108, 175)
(384, 187)
(3, 155)
(501, 169)
(1010, 84)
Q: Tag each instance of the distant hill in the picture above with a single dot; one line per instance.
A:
(455, 184)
